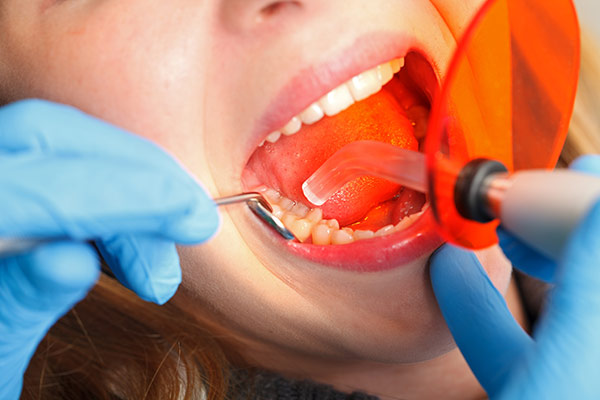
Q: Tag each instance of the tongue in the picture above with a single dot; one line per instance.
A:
(286, 164)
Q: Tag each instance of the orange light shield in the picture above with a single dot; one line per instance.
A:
(508, 95)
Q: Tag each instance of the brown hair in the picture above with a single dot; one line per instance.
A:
(114, 345)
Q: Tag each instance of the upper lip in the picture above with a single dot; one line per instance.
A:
(312, 82)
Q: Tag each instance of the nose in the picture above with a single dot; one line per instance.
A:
(248, 15)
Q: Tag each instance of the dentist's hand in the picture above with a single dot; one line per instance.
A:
(66, 175)
(561, 361)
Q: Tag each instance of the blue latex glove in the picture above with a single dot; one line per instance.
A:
(65, 174)
(561, 361)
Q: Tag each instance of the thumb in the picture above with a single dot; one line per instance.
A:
(36, 289)
(568, 348)
(482, 326)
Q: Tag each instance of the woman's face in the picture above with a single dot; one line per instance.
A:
(209, 81)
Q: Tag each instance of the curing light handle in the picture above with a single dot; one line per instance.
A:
(540, 207)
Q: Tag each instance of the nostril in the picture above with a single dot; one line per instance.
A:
(247, 15)
(277, 8)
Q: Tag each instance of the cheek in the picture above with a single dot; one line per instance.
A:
(497, 267)
(457, 13)
(111, 65)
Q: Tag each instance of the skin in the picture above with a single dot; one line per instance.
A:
(195, 76)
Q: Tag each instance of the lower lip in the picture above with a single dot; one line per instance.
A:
(377, 254)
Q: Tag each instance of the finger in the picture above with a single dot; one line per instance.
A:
(568, 348)
(89, 198)
(35, 290)
(588, 163)
(147, 265)
(482, 326)
(525, 258)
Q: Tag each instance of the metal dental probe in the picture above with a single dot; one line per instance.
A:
(255, 201)
(261, 208)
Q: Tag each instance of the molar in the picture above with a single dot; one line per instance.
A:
(386, 230)
(286, 204)
(321, 234)
(362, 234)
(342, 236)
(385, 73)
(302, 229)
(315, 215)
(397, 64)
(300, 210)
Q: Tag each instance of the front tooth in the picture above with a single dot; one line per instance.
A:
(385, 73)
(337, 100)
(365, 84)
(358, 88)
(341, 237)
(312, 114)
(292, 127)
(273, 137)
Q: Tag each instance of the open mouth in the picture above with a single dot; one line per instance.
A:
(389, 103)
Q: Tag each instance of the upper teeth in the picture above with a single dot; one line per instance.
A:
(356, 89)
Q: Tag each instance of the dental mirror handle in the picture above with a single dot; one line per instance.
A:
(540, 207)
(14, 246)
(10, 246)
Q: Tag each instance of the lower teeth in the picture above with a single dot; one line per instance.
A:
(308, 224)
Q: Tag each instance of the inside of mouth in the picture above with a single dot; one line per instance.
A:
(366, 207)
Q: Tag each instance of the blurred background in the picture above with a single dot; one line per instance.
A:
(584, 136)
(589, 14)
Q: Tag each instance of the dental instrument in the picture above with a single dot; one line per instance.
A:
(255, 201)
(540, 207)
(261, 208)
(366, 157)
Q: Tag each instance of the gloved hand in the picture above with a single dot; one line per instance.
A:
(561, 361)
(67, 175)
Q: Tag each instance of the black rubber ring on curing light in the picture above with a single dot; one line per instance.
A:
(470, 197)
